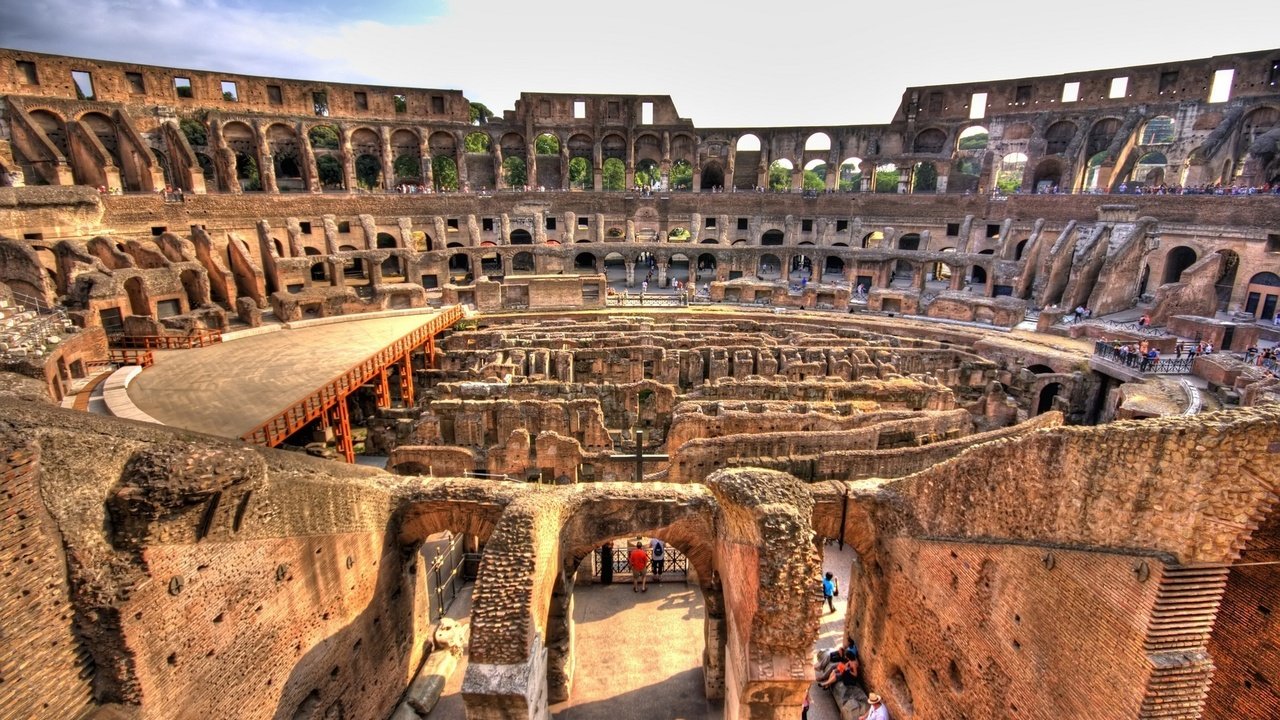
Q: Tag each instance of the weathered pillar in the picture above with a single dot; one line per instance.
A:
(388, 164)
(764, 541)
(266, 161)
(348, 159)
(662, 274)
(631, 273)
(310, 172)
(428, 170)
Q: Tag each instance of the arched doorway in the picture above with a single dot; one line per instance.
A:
(1263, 295)
(521, 236)
(584, 262)
(772, 237)
(1044, 402)
(1176, 262)
(137, 293)
(522, 263)
(769, 267)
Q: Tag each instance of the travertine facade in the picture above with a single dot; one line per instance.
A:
(1012, 562)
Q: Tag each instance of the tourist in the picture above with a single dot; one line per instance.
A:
(829, 660)
(877, 711)
(606, 562)
(659, 552)
(804, 709)
(644, 286)
(845, 673)
(829, 591)
(638, 559)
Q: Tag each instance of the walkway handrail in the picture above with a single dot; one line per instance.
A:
(1110, 351)
(201, 339)
(298, 414)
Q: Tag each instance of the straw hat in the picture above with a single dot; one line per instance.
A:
(874, 699)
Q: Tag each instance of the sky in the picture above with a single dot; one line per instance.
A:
(726, 64)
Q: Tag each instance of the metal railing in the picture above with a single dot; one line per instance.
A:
(297, 415)
(673, 561)
(1161, 366)
(445, 577)
(649, 300)
(201, 339)
(130, 356)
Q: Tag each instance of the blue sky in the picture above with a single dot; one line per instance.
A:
(725, 63)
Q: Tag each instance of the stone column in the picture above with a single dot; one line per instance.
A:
(348, 160)
(266, 161)
(662, 274)
(904, 179)
(499, 182)
(309, 169)
(564, 165)
(424, 152)
(505, 225)
(388, 164)
(631, 272)
(459, 161)
(406, 233)
(868, 169)
(531, 165)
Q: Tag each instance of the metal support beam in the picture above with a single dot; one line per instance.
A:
(341, 421)
(406, 380)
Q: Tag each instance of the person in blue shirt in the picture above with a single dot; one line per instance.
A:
(829, 591)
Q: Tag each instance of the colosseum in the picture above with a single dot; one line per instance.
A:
(1005, 366)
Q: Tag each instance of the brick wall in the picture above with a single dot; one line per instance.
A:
(1245, 644)
(43, 669)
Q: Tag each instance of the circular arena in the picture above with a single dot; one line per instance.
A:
(363, 413)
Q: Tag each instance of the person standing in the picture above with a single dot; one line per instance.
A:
(658, 554)
(877, 711)
(638, 559)
(829, 591)
(606, 562)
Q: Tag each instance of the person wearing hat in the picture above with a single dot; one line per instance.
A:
(877, 711)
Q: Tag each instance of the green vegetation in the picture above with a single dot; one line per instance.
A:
(648, 174)
(195, 131)
(613, 174)
(323, 137)
(445, 171)
(407, 167)
(402, 104)
(976, 141)
(679, 234)
(368, 172)
(887, 181)
(476, 142)
(779, 176)
(515, 172)
(546, 144)
(329, 170)
(480, 114)
(926, 178)
(681, 175)
(813, 180)
(580, 173)
(247, 172)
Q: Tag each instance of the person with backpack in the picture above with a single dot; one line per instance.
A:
(658, 554)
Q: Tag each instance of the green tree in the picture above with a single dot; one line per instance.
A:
(476, 142)
(480, 114)
(195, 131)
(445, 172)
(546, 144)
(407, 167)
(515, 172)
(976, 141)
(779, 176)
(580, 173)
(648, 174)
(613, 174)
(887, 181)
(368, 172)
(926, 178)
(323, 137)
(247, 172)
(402, 104)
(329, 171)
(814, 181)
(681, 175)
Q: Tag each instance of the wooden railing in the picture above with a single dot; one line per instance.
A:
(131, 356)
(296, 416)
(167, 342)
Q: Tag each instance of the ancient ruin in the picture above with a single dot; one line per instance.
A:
(1013, 347)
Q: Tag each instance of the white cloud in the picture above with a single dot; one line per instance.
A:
(818, 62)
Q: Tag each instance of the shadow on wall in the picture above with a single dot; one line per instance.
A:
(361, 670)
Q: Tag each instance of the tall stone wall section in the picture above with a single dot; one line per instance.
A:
(44, 671)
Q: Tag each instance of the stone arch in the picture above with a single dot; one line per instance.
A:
(1045, 398)
(139, 303)
(768, 267)
(1058, 137)
(613, 174)
(817, 142)
(1159, 130)
(678, 268)
(523, 263)
(909, 241)
(1176, 261)
(850, 178)
(585, 261)
(53, 127)
(773, 237)
(973, 138)
(712, 175)
(1149, 170)
(1048, 175)
(833, 265)
(872, 239)
(520, 236)
(747, 154)
(929, 141)
(286, 157)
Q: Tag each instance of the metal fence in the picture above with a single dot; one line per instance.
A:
(446, 576)
(1162, 366)
(673, 562)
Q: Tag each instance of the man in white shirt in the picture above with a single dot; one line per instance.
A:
(877, 711)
